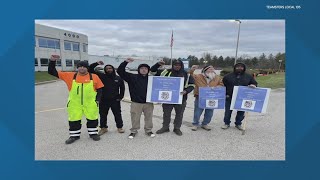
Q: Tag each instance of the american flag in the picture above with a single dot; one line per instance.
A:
(171, 40)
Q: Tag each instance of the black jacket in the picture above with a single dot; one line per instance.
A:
(180, 73)
(137, 83)
(113, 85)
(233, 79)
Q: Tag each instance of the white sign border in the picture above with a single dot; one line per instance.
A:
(235, 93)
(149, 89)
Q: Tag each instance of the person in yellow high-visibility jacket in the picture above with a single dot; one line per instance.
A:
(85, 90)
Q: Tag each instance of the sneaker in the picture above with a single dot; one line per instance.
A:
(239, 127)
(226, 126)
(120, 130)
(206, 127)
(178, 132)
(131, 135)
(95, 137)
(150, 134)
(194, 128)
(102, 131)
(72, 139)
(162, 130)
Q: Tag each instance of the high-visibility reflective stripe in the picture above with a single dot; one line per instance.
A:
(75, 131)
(92, 129)
(164, 72)
(92, 132)
(186, 85)
(74, 135)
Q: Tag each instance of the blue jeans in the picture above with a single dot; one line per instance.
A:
(228, 112)
(208, 113)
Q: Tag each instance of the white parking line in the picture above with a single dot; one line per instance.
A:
(49, 110)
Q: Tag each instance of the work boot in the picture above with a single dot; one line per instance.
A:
(72, 139)
(178, 132)
(120, 130)
(206, 127)
(226, 126)
(162, 130)
(194, 128)
(102, 131)
(239, 127)
(95, 137)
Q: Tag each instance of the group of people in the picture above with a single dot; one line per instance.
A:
(92, 92)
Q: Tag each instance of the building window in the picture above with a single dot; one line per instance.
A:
(49, 43)
(67, 45)
(42, 42)
(75, 46)
(44, 62)
(85, 48)
(68, 62)
(57, 43)
(76, 63)
(58, 62)
(35, 62)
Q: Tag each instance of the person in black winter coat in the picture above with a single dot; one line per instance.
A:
(177, 70)
(138, 84)
(238, 77)
(112, 94)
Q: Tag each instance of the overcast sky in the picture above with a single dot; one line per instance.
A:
(191, 37)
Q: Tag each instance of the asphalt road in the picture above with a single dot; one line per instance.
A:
(264, 138)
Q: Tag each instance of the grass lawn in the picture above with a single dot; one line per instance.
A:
(272, 81)
(43, 76)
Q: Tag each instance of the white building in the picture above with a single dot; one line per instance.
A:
(71, 46)
(116, 61)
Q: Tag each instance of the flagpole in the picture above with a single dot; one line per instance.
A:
(171, 44)
(171, 56)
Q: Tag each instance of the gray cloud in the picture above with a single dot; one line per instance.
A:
(191, 37)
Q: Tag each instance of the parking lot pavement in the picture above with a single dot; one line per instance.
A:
(264, 138)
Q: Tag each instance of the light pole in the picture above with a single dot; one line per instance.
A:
(280, 61)
(205, 62)
(239, 22)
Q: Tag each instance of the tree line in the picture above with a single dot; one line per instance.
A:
(262, 62)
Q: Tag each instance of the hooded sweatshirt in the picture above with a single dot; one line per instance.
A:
(113, 85)
(137, 83)
(237, 79)
(172, 73)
